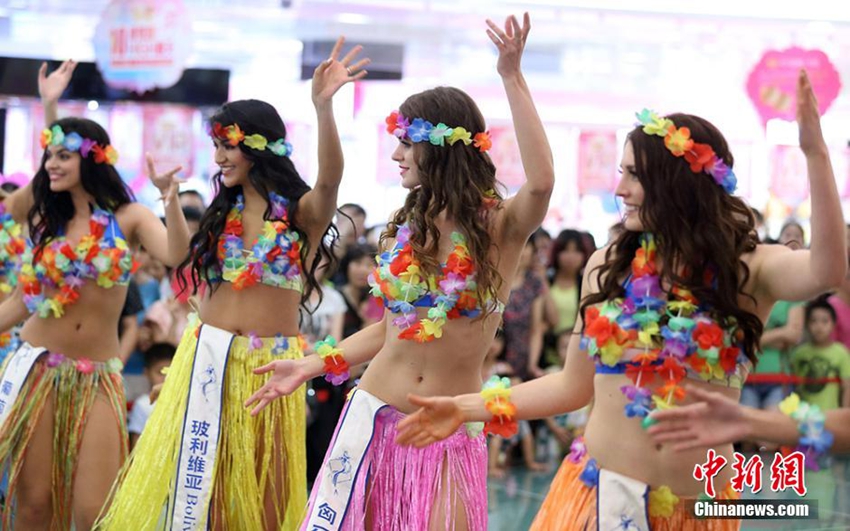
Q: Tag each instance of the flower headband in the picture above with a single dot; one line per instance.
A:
(233, 135)
(55, 136)
(420, 130)
(678, 141)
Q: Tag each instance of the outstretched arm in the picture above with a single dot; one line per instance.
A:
(316, 208)
(525, 211)
(784, 274)
(289, 375)
(553, 394)
(51, 87)
(717, 419)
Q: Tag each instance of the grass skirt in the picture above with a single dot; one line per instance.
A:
(251, 464)
(74, 385)
(571, 504)
(399, 488)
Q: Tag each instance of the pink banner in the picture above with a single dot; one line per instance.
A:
(772, 84)
(597, 162)
(168, 138)
(788, 174)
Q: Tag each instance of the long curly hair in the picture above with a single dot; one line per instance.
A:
(269, 173)
(698, 228)
(458, 180)
(51, 211)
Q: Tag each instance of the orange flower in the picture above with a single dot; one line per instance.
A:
(482, 141)
(671, 370)
(505, 428)
(678, 141)
(671, 391)
(642, 264)
(392, 122)
(402, 261)
(234, 134)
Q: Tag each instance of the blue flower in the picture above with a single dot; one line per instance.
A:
(590, 475)
(420, 130)
(73, 141)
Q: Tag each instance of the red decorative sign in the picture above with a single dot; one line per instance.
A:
(772, 84)
(597, 161)
(143, 44)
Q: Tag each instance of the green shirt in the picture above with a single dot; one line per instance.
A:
(770, 359)
(819, 365)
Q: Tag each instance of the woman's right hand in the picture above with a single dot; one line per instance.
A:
(714, 420)
(288, 375)
(51, 87)
(437, 418)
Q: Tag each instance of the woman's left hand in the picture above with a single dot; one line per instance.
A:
(808, 118)
(329, 76)
(510, 42)
(164, 182)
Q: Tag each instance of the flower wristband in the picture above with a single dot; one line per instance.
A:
(335, 368)
(815, 441)
(497, 399)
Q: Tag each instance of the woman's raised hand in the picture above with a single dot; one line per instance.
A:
(51, 87)
(333, 73)
(510, 42)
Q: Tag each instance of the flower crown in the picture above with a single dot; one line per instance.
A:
(72, 141)
(678, 141)
(420, 130)
(232, 134)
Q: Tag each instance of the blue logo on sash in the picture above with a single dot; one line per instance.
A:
(339, 469)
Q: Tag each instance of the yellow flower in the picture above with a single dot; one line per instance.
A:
(790, 404)
(459, 133)
(611, 353)
(256, 142)
(433, 328)
(646, 334)
(661, 403)
(662, 502)
(678, 140)
(658, 127)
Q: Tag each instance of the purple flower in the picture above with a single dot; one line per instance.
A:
(577, 450)
(336, 379)
(633, 391)
(453, 282)
(86, 145)
(405, 321)
(403, 234)
(54, 359)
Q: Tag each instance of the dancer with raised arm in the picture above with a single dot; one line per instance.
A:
(681, 293)
(449, 255)
(202, 460)
(63, 434)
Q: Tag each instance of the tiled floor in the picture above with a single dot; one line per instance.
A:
(515, 499)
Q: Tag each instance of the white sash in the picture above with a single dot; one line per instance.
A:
(17, 369)
(336, 480)
(201, 428)
(621, 503)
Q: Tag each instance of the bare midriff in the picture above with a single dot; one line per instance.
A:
(260, 309)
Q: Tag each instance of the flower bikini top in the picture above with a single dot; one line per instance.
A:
(400, 282)
(12, 245)
(274, 258)
(657, 340)
(102, 256)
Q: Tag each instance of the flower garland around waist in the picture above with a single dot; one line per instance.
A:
(672, 334)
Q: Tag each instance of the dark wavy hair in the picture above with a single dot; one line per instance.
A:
(561, 242)
(269, 173)
(697, 226)
(51, 211)
(456, 179)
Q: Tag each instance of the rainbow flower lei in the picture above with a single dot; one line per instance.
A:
(335, 367)
(12, 246)
(497, 400)
(99, 255)
(232, 134)
(672, 334)
(419, 130)
(274, 259)
(400, 282)
(815, 440)
(72, 141)
(678, 141)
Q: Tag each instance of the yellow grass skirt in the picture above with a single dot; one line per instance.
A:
(260, 462)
